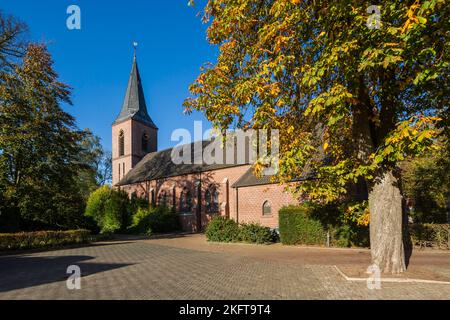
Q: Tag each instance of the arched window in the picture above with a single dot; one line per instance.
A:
(152, 197)
(212, 200)
(163, 199)
(267, 209)
(186, 201)
(145, 140)
(121, 143)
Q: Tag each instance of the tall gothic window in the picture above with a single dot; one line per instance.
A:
(163, 199)
(145, 140)
(121, 143)
(212, 200)
(153, 199)
(186, 201)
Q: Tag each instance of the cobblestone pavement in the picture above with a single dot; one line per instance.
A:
(145, 270)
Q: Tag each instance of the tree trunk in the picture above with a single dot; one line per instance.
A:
(387, 224)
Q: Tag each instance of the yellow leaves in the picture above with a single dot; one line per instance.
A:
(411, 137)
(280, 42)
(295, 1)
(358, 213)
(391, 44)
(281, 102)
(228, 47)
(412, 18)
(290, 130)
(325, 146)
(201, 79)
(220, 71)
(364, 219)
(274, 89)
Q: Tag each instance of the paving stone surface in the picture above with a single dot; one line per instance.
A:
(143, 269)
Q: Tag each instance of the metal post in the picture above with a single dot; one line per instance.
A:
(328, 238)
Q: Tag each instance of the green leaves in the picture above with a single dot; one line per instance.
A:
(39, 145)
(316, 72)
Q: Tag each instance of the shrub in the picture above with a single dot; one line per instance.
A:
(109, 208)
(350, 235)
(42, 239)
(136, 204)
(428, 235)
(255, 233)
(297, 227)
(154, 220)
(221, 229)
(309, 223)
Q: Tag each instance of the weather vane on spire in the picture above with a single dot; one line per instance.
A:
(135, 45)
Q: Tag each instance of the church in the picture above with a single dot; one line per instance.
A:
(197, 192)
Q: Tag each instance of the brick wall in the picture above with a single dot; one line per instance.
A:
(133, 153)
(243, 204)
(251, 200)
(121, 161)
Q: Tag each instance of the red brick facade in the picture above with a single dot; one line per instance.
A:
(133, 153)
(243, 204)
(251, 201)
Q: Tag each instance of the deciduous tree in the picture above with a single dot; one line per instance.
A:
(39, 144)
(362, 98)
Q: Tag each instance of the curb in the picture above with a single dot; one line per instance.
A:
(394, 280)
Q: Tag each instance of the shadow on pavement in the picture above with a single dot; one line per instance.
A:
(21, 272)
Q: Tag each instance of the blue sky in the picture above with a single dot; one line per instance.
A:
(96, 60)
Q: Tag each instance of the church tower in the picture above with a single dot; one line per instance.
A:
(133, 132)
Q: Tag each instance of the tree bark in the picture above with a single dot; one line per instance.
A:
(387, 224)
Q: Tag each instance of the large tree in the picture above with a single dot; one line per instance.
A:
(365, 97)
(39, 145)
(48, 167)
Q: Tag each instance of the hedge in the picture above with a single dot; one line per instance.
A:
(43, 239)
(221, 229)
(297, 227)
(255, 233)
(430, 235)
(154, 220)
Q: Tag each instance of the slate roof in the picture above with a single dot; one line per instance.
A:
(134, 106)
(159, 165)
(248, 179)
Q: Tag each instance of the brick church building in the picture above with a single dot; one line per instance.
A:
(198, 192)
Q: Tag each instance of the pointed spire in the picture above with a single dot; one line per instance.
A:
(135, 45)
(134, 106)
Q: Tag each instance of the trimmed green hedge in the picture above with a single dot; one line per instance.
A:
(43, 239)
(221, 229)
(255, 233)
(430, 235)
(297, 227)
